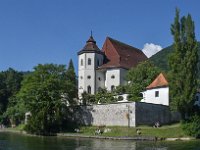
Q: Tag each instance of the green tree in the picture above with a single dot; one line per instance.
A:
(183, 65)
(139, 78)
(15, 111)
(104, 96)
(88, 99)
(45, 95)
(72, 82)
(10, 83)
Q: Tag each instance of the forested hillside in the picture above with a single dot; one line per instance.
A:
(160, 59)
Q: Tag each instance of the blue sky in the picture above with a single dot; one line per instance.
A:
(53, 31)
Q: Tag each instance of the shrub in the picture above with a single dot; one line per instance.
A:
(120, 98)
(192, 126)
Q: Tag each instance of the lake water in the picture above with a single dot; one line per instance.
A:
(14, 141)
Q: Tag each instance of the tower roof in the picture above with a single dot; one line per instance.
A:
(90, 46)
(121, 55)
(160, 81)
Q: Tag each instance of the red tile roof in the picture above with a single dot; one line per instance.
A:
(160, 81)
(121, 55)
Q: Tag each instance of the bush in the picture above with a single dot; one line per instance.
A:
(192, 126)
(120, 98)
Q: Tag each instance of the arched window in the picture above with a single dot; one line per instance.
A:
(112, 88)
(81, 62)
(89, 61)
(89, 89)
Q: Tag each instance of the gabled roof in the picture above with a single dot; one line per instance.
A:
(160, 81)
(121, 55)
(90, 46)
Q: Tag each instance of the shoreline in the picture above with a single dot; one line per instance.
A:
(133, 138)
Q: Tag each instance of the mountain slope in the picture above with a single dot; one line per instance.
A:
(160, 59)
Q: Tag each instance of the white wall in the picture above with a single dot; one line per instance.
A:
(86, 70)
(123, 73)
(163, 98)
(119, 79)
(112, 81)
(100, 79)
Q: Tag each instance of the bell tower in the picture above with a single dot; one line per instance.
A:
(89, 59)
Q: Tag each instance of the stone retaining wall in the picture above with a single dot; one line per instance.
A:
(124, 114)
(148, 114)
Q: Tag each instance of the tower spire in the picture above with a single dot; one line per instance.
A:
(91, 33)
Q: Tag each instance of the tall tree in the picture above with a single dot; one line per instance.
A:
(139, 78)
(45, 95)
(10, 83)
(183, 65)
(72, 81)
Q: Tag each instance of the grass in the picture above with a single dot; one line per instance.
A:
(20, 127)
(168, 131)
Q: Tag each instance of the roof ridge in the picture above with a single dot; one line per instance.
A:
(123, 43)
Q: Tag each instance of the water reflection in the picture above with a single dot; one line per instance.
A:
(108, 144)
(10, 141)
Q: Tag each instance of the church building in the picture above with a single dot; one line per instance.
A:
(105, 68)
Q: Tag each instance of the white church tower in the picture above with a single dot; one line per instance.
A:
(89, 58)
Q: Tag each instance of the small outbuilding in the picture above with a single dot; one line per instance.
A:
(157, 92)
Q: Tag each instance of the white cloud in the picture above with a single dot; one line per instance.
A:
(150, 49)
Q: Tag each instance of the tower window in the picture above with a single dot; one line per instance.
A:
(112, 77)
(89, 61)
(156, 93)
(89, 89)
(81, 77)
(89, 77)
(81, 62)
(112, 88)
(99, 79)
(98, 63)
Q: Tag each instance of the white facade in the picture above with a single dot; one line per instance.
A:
(156, 96)
(90, 79)
(105, 68)
(114, 78)
(87, 74)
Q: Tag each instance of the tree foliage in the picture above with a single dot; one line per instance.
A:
(72, 82)
(103, 96)
(183, 65)
(10, 83)
(45, 94)
(191, 126)
(88, 99)
(139, 78)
